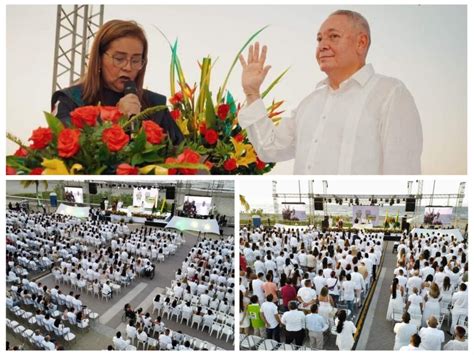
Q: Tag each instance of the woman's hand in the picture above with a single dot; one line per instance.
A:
(254, 71)
(129, 105)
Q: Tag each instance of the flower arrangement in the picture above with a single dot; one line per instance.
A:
(98, 142)
(211, 127)
(102, 141)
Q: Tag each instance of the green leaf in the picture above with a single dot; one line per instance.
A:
(274, 83)
(210, 114)
(137, 159)
(139, 143)
(222, 89)
(53, 123)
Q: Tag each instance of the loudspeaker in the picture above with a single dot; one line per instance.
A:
(92, 188)
(170, 193)
(318, 204)
(325, 224)
(410, 205)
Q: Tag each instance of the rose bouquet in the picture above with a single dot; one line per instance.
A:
(211, 127)
(100, 141)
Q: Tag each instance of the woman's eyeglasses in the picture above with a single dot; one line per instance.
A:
(121, 61)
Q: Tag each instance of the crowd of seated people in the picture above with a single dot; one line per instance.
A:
(201, 296)
(298, 285)
(429, 292)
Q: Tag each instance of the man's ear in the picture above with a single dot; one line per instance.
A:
(362, 43)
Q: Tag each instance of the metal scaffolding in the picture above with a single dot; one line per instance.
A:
(76, 25)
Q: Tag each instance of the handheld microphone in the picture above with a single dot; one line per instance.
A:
(130, 88)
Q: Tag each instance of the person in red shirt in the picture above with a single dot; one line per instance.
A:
(243, 263)
(288, 293)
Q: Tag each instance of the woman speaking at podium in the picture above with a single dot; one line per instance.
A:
(114, 77)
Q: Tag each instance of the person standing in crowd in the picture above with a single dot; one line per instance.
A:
(316, 326)
(294, 322)
(269, 314)
(253, 310)
(431, 336)
(459, 342)
(403, 332)
(345, 330)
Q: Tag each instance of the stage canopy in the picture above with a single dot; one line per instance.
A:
(79, 212)
(456, 232)
(192, 224)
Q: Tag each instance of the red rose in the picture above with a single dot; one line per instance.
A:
(21, 152)
(187, 156)
(115, 138)
(202, 128)
(209, 164)
(36, 171)
(222, 111)
(171, 161)
(110, 113)
(11, 171)
(68, 142)
(239, 137)
(260, 164)
(230, 164)
(211, 136)
(154, 133)
(177, 98)
(175, 114)
(41, 137)
(126, 169)
(85, 115)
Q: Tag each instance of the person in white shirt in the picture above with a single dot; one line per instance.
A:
(459, 342)
(348, 289)
(345, 331)
(319, 282)
(431, 337)
(403, 332)
(48, 344)
(269, 314)
(257, 287)
(165, 340)
(415, 342)
(459, 310)
(106, 290)
(307, 295)
(294, 322)
(355, 122)
(119, 342)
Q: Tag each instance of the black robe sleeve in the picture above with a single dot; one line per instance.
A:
(63, 102)
(163, 118)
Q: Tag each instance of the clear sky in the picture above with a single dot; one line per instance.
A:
(424, 46)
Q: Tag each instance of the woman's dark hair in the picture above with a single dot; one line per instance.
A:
(341, 316)
(109, 32)
(394, 287)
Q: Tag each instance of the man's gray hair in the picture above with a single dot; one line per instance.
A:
(358, 20)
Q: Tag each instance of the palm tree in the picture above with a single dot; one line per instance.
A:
(244, 203)
(27, 183)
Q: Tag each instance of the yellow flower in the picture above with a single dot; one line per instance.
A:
(183, 126)
(57, 167)
(244, 153)
(157, 170)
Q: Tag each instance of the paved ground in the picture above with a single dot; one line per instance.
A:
(140, 294)
(378, 332)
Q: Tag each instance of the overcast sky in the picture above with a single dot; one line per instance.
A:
(424, 46)
(259, 192)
